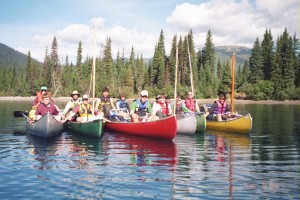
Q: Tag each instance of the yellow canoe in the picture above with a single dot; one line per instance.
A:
(238, 125)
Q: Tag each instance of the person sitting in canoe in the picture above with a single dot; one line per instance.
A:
(180, 108)
(83, 112)
(121, 114)
(219, 111)
(140, 108)
(161, 109)
(38, 99)
(104, 103)
(46, 106)
(122, 102)
(72, 103)
(191, 103)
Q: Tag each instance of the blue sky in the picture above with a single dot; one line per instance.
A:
(30, 25)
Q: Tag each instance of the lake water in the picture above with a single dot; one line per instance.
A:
(264, 164)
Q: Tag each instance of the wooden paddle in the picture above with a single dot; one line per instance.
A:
(21, 113)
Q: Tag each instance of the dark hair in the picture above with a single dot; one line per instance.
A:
(223, 94)
(105, 90)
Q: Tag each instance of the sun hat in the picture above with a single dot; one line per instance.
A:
(144, 93)
(85, 96)
(75, 92)
(44, 88)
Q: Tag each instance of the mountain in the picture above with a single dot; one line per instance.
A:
(10, 57)
(225, 52)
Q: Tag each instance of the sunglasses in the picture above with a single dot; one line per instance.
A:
(144, 96)
(44, 90)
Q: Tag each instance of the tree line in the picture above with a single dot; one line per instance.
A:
(272, 72)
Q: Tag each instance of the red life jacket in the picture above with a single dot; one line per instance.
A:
(190, 104)
(164, 108)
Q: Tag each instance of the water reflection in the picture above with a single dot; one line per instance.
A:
(142, 151)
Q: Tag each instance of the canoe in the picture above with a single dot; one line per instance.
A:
(90, 128)
(45, 127)
(186, 124)
(242, 124)
(201, 123)
(163, 128)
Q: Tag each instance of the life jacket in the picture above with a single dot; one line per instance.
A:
(123, 104)
(221, 108)
(141, 109)
(164, 108)
(104, 101)
(75, 103)
(39, 96)
(85, 111)
(190, 104)
(178, 108)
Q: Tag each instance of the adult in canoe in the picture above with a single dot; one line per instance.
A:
(72, 103)
(105, 103)
(83, 112)
(180, 108)
(191, 103)
(140, 108)
(219, 111)
(47, 107)
(161, 108)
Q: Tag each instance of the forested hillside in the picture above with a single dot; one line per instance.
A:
(271, 71)
(11, 58)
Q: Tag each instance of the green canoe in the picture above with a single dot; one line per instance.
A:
(90, 128)
(201, 123)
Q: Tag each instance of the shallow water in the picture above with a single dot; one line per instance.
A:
(264, 164)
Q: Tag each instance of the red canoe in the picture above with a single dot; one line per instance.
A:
(162, 128)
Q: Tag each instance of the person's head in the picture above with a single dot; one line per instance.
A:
(85, 99)
(46, 98)
(161, 98)
(178, 99)
(44, 90)
(75, 95)
(222, 96)
(190, 95)
(105, 91)
(122, 96)
(144, 95)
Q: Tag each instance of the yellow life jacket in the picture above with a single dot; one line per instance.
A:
(85, 111)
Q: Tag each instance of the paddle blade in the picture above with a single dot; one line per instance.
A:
(20, 113)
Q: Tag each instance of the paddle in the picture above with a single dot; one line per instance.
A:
(20, 113)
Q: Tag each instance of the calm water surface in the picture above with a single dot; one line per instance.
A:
(213, 165)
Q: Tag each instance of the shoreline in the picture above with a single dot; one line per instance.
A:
(236, 101)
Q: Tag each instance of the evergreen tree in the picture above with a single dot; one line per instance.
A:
(256, 63)
(29, 77)
(225, 86)
(209, 56)
(267, 46)
(172, 60)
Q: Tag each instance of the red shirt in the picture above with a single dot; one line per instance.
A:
(42, 109)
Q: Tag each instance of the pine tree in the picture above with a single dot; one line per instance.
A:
(172, 60)
(225, 86)
(209, 56)
(256, 63)
(267, 52)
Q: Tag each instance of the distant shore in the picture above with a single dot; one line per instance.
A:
(236, 101)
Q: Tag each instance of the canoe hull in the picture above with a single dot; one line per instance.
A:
(186, 125)
(239, 125)
(162, 128)
(90, 128)
(45, 127)
(201, 123)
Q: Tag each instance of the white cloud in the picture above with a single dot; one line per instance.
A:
(236, 22)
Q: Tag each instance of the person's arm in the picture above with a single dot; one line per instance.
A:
(118, 104)
(133, 107)
(112, 103)
(97, 103)
(67, 108)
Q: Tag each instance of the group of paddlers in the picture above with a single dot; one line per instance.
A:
(80, 109)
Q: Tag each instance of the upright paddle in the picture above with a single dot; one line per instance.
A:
(21, 113)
